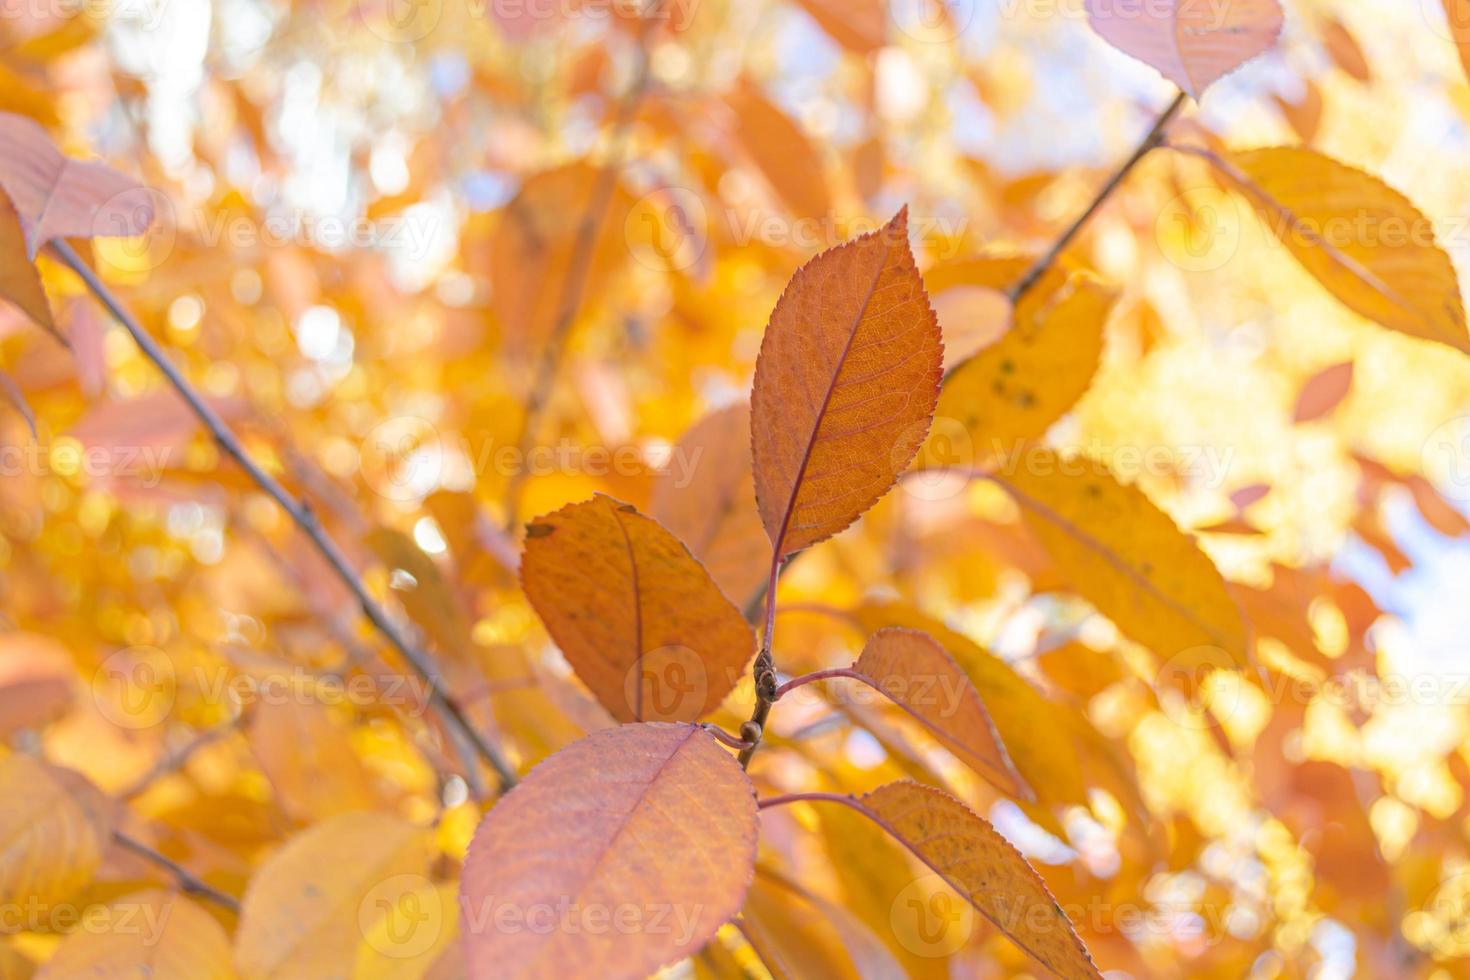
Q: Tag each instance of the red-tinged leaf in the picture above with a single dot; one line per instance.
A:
(1323, 392)
(20, 283)
(1246, 496)
(981, 865)
(61, 198)
(1191, 44)
(706, 498)
(653, 817)
(918, 675)
(638, 618)
(845, 387)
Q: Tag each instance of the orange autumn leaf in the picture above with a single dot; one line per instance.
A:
(1323, 392)
(924, 680)
(706, 498)
(861, 26)
(781, 151)
(57, 197)
(983, 867)
(651, 816)
(845, 387)
(638, 618)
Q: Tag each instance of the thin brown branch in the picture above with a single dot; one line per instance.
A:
(300, 513)
(1154, 137)
(186, 879)
(579, 266)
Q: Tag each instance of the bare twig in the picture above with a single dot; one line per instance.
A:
(1154, 137)
(579, 265)
(299, 512)
(186, 879)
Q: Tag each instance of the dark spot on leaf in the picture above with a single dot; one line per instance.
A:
(538, 530)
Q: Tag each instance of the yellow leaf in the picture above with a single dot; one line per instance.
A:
(1362, 240)
(155, 934)
(53, 830)
(308, 906)
(1013, 390)
(1128, 559)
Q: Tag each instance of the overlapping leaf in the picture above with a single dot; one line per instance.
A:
(706, 498)
(156, 934)
(652, 817)
(638, 618)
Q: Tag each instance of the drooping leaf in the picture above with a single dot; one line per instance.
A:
(1128, 559)
(984, 868)
(651, 816)
(308, 903)
(1362, 240)
(1323, 392)
(156, 934)
(706, 498)
(56, 197)
(1048, 767)
(845, 387)
(781, 151)
(1191, 44)
(638, 618)
(53, 829)
(1013, 390)
(916, 672)
(20, 283)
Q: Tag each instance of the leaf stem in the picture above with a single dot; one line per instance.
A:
(1154, 137)
(824, 675)
(764, 671)
(302, 514)
(186, 879)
